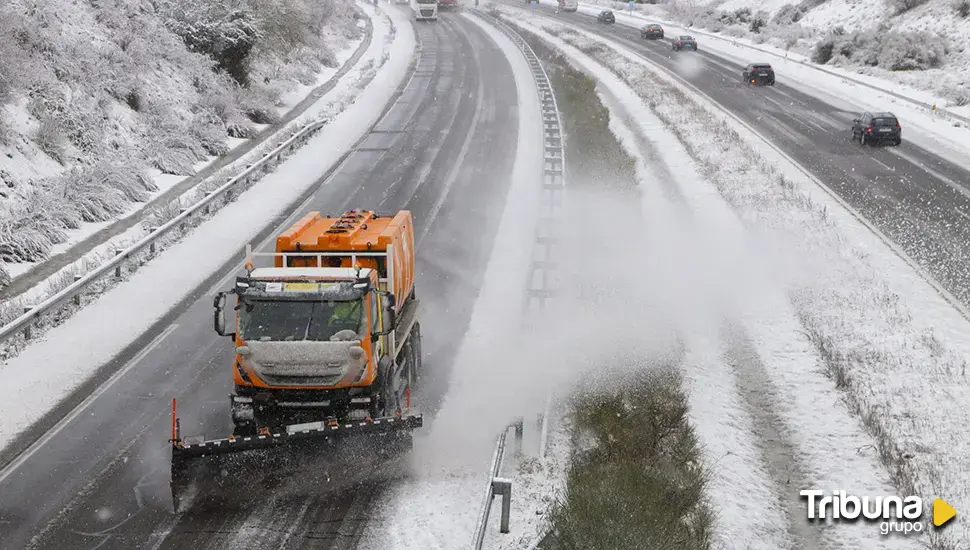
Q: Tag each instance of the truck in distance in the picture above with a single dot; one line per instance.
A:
(425, 10)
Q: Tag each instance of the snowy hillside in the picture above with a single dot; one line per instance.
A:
(921, 43)
(100, 97)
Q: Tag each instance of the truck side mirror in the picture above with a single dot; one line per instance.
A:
(219, 320)
(389, 300)
(855, 121)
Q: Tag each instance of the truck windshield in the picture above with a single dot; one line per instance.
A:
(298, 321)
(427, 1)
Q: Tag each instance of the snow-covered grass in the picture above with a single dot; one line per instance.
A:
(51, 367)
(163, 182)
(326, 107)
(846, 89)
(898, 375)
(94, 106)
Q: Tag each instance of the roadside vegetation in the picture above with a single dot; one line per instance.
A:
(865, 333)
(635, 479)
(594, 157)
(96, 96)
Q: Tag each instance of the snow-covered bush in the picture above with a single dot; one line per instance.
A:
(11, 56)
(903, 6)
(959, 94)
(888, 49)
(49, 137)
(118, 79)
(962, 7)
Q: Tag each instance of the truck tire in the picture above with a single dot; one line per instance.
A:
(388, 398)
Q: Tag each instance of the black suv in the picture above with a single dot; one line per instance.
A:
(685, 43)
(653, 31)
(877, 128)
(606, 17)
(758, 73)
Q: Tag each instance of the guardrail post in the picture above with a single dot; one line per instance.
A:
(77, 297)
(29, 329)
(208, 206)
(503, 487)
(118, 268)
(182, 210)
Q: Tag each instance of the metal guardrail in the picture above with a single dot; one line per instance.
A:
(250, 175)
(930, 107)
(541, 285)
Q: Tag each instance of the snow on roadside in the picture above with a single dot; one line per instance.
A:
(906, 384)
(327, 106)
(290, 99)
(55, 364)
(747, 505)
(439, 505)
(946, 138)
(164, 182)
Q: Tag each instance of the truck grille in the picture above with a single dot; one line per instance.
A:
(427, 13)
(275, 380)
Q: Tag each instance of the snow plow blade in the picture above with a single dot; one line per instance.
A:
(186, 450)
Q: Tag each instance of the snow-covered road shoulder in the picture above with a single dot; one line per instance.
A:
(438, 506)
(885, 337)
(53, 366)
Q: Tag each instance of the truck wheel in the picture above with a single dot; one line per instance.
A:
(388, 404)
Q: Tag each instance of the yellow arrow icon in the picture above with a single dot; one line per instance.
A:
(942, 512)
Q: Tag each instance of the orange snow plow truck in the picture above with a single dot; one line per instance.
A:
(326, 335)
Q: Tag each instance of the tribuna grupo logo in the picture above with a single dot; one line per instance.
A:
(893, 513)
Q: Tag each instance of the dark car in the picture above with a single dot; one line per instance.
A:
(685, 42)
(606, 17)
(759, 73)
(872, 128)
(654, 32)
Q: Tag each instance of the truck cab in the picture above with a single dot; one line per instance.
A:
(425, 10)
(328, 331)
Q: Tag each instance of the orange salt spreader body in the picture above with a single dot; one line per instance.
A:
(327, 339)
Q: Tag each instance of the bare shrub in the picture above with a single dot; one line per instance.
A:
(30, 229)
(903, 6)
(160, 215)
(170, 145)
(12, 57)
(122, 176)
(95, 200)
(959, 94)
(889, 49)
(962, 7)
(49, 138)
(210, 132)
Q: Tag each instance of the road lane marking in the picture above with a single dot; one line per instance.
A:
(52, 433)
